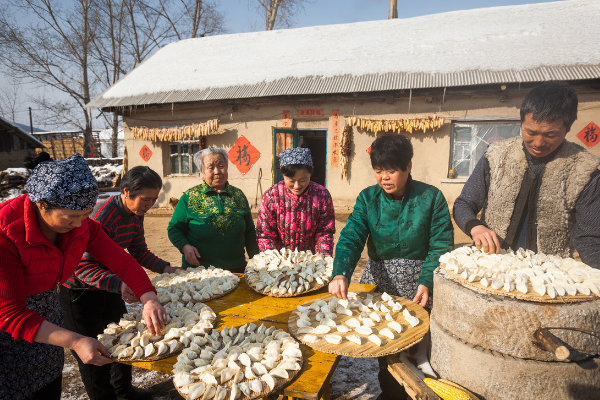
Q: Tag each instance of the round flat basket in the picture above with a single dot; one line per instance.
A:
(515, 294)
(314, 286)
(195, 285)
(287, 273)
(204, 319)
(265, 390)
(408, 337)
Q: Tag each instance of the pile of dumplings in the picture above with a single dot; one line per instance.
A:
(130, 339)
(236, 363)
(286, 273)
(372, 318)
(194, 285)
(523, 272)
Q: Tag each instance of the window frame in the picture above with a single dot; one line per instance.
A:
(473, 121)
(180, 154)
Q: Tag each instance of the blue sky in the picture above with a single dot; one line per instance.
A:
(241, 16)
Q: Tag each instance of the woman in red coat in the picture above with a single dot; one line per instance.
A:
(43, 236)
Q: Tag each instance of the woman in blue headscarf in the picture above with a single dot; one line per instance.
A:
(43, 235)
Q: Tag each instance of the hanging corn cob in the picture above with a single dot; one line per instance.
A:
(176, 133)
(408, 125)
(345, 148)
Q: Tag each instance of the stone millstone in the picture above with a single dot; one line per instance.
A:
(507, 325)
(496, 377)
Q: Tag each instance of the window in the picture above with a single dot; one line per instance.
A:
(181, 156)
(471, 140)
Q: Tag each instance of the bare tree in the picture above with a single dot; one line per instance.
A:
(12, 101)
(192, 18)
(280, 13)
(53, 51)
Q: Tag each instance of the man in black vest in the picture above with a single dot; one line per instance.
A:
(538, 191)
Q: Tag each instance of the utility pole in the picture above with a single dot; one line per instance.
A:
(30, 121)
(393, 9)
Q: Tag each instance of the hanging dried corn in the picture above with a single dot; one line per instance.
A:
(345, 148)
(398, 125)
(194, 131)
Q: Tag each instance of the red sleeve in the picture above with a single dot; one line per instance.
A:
(15, 317)
(121, 263)
(267, 232)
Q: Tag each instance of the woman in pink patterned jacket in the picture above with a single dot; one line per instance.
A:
(296, 213)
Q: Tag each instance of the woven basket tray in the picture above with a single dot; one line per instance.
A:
(314, 286)
(279, 383)
(515, 294)
(408, 338)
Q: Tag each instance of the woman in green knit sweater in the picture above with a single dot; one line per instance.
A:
(407, 227)
(212, 223)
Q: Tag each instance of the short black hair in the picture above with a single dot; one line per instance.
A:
(32, 162)
(139, 178)
(291, 169)
(551, 101)
(392, 152)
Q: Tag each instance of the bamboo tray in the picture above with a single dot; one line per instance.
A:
(279, 382)
(312, 289)
(408, 338)
(515, 294)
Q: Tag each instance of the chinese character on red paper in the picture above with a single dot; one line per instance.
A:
(589, 135)
(145, 153)
(243, 155)
(369, 150)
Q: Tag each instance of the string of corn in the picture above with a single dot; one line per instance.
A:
(398, 125)
(172, 134)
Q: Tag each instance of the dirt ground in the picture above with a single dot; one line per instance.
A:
(353, 379)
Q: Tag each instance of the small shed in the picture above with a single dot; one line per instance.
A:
(15, 145)
(452, 82)
(63, 144)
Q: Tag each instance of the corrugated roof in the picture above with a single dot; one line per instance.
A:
(527, 43)
(16, 129)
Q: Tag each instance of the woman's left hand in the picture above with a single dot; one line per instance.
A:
(170, 270)
(422, 295)
(154, 314)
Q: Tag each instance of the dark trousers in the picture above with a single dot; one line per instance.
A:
(88, 312)
(51, 391)
(390, 388)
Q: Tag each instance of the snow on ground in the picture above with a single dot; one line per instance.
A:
(15, 171)
(496, 39)
(106, 173)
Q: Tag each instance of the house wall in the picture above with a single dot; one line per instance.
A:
(431, 149)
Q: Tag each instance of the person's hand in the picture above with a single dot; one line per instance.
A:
(127, 294)
(154, 314)
(422, 295)
(338, 287)
(486, 238)
(91, 351)
(191, 254)
(169, 269)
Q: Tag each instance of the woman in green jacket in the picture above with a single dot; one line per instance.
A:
(212, 223)
(407, 227)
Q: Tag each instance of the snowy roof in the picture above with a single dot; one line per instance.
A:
(526, 43)
(14, 127)
(106, 134)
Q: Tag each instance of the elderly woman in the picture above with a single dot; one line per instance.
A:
(93, 296)
(212, 223)
(296, 213)
(43, 236)
(407, 227)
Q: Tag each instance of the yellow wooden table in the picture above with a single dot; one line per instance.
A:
(243, 306)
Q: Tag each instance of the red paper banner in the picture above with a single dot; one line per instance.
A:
(335, 143)
(286, 118)
(589, 135)
(243, 155)
(310, 112)
(145, 153)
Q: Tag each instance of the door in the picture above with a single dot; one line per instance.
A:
(316, 141)
(282, 139)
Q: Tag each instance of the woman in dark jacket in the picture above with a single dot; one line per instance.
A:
(43, 236)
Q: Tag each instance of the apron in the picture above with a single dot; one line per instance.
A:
(27, 367)
(397, 276)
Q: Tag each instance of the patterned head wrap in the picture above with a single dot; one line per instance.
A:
(298, 155)
(67, 183)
